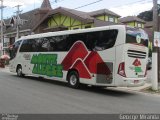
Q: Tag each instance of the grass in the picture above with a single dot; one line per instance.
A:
(149, 90)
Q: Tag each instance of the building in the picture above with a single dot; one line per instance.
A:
(139, 23)
(46, 19)
(68, 19)
(133, 21)
(25, 22)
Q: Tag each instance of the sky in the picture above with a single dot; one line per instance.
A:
(121, 7)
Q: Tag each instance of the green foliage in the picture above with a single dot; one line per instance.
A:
(146, 15)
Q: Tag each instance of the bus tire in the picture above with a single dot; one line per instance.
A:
(73, 79)
(19, 71)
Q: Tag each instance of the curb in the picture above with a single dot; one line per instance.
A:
(135, 89)
(6, 69)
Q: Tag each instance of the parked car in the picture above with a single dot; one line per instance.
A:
(149, 64)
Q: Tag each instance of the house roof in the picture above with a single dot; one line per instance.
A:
(83, 16)
(102, 12)
(28, 16)
(99, 23)
(79, 15)
(46, 4)
(148, 24)
(131, 19)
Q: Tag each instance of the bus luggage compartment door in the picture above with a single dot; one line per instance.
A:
(105, 73)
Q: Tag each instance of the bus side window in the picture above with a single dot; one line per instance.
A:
(51, 46)
(34, 46)
(91, 40)
(26, 46)
(71, 40)
(106, 39)
(42, 44)
(61, 43)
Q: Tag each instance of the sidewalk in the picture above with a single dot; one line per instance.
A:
(147, 85)
(6, 69)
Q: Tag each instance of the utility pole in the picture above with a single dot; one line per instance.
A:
(18, 19)
(2, 39)
(155, 54)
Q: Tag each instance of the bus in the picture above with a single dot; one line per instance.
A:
(110, 56)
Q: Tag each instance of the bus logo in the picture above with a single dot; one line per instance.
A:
(137, 65)
(46, 64)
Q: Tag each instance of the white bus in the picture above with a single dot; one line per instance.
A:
(103, 56)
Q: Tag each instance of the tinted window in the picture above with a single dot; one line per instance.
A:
(46, 44)
(59, 43)
(27, 46)
(41, 45)
(13, 52)
(105, 39)
(96, 41)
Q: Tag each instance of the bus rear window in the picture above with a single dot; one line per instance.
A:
(136, 36)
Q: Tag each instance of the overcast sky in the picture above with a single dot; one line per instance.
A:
(121, 7)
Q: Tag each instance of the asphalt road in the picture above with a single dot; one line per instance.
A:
(30, 95)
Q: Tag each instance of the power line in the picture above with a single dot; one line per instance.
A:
(56, 1)
(88, 4)
(140, 1)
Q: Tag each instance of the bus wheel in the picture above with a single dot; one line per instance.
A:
(19, 72)
(73, 79)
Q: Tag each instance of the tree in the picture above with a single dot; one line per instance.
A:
(146, 16)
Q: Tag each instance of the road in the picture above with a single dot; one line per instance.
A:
(31, 95)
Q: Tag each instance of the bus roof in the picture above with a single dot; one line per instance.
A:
(66, 32)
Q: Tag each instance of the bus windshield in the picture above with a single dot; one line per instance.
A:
(14, 49)
(136, 36)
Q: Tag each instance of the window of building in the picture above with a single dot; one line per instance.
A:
(88, 26)
(75, 28)
(139, 25)
(111, 19)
